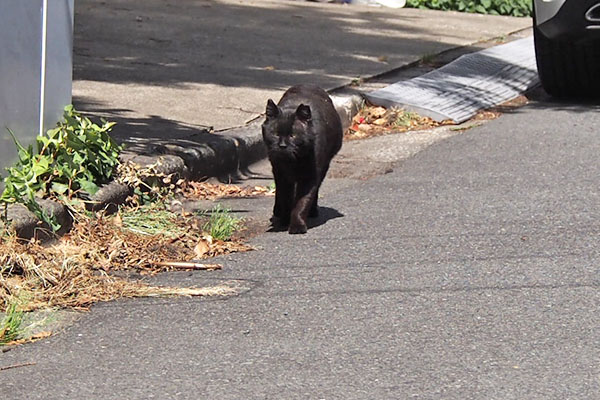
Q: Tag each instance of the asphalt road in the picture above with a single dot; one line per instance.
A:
(468, 272)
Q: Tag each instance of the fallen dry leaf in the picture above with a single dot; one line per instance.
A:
(377, 112)
(117, 220)
(201, 248)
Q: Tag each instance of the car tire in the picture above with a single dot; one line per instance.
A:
(567, 69)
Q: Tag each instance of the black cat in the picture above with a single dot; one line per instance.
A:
(302, 133)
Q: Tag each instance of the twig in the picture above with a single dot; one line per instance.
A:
(17, 366)
(176, 238)
(253, 119)
(187, 265)
(246, 122)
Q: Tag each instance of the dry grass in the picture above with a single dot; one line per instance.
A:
(77, 270)
(80, 268)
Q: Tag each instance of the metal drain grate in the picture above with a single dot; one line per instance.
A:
(472, 82)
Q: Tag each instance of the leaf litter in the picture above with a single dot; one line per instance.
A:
(103, 258)
(373, 121)
(79, 269)
(211, 191)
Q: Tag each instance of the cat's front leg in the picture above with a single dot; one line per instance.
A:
(284, 196)
(314, 208)
(306, 197)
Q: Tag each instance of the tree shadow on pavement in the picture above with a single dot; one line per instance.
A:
(152, 136)
(174, 42)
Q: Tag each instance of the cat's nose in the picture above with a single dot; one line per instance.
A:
(282, 145)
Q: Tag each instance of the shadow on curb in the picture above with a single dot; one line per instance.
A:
(197, 154)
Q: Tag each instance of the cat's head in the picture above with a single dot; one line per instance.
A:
(287, 132)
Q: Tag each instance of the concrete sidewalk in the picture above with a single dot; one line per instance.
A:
(169, 70)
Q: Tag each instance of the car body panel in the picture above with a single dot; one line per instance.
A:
(571, 20)
(567, 46)
(546, 9)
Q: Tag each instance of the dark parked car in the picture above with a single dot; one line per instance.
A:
(567, 46)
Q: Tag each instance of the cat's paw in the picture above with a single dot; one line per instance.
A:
(297, 228)
(275, 220)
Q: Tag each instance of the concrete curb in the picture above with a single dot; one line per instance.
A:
(226, 155)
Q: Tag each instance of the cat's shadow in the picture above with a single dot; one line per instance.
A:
(325, 214)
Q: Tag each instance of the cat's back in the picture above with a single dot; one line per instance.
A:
(310, 95)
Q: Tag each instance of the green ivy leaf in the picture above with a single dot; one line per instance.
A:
(87, 186)
(77, 155)
(60, 188)
(23, 153)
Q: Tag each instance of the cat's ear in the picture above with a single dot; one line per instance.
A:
(303, 113)
(272, 109)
